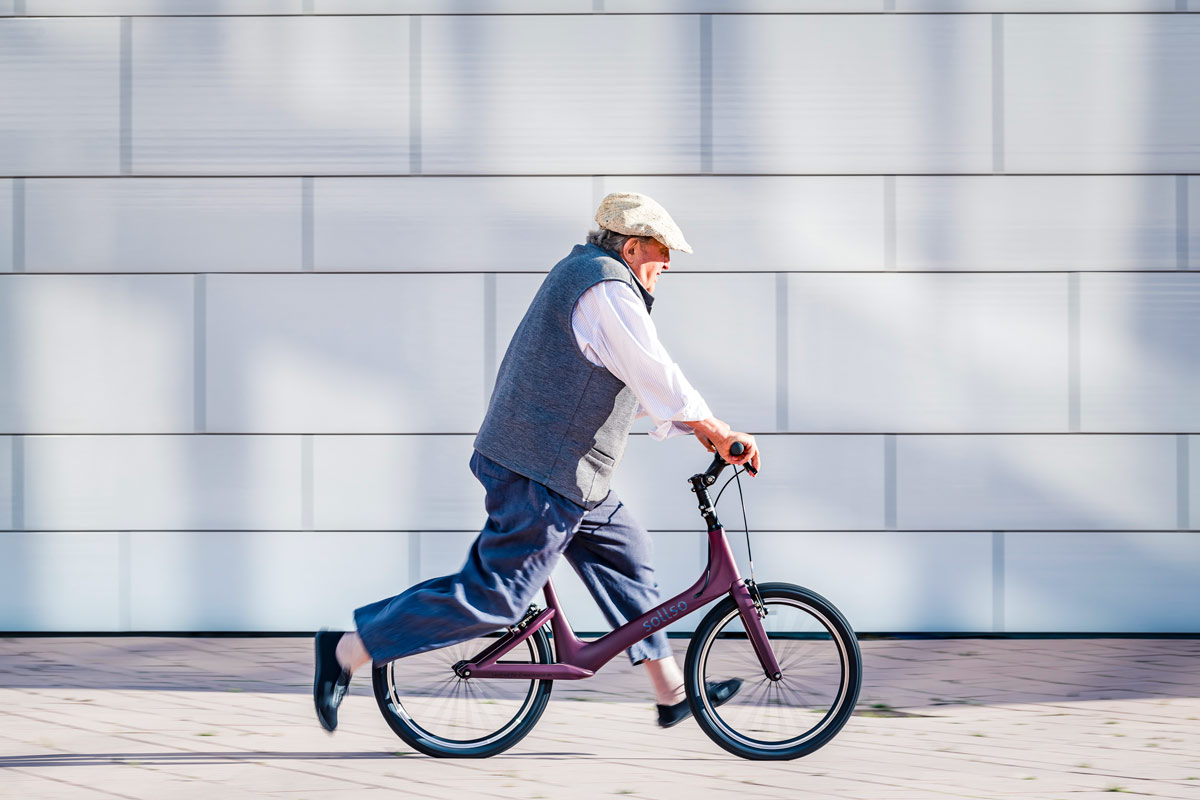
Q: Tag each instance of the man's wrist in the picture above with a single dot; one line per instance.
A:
(711, 428)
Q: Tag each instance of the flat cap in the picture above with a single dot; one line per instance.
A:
(636, 214)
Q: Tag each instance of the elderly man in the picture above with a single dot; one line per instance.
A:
(584, 362)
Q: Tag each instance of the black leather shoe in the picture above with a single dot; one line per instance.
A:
(331, 682)
(718, 693)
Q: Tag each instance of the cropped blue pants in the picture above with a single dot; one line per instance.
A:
(528, 528)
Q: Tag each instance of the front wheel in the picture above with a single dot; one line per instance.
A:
(440, 714)
(820, 667)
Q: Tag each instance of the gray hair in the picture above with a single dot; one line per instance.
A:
(610, 240)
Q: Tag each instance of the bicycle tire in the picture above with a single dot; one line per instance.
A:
(821, 670)
(442, 715)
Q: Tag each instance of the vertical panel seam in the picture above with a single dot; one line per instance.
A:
(489, 335)
(306, 224)
(706, 155)
(1182, 257)
(998, 93)
(18, 482)
(1183, 481)
(124, 587)
(889, 481)
(889, 221)
(781, 351)
(414, 557)
(1074, 403)
(414, 95)
(126, 95)
(306, 482)
(18, 225)
(998, 600)
(199, 353)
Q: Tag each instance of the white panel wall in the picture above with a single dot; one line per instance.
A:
(975, 389)
(852, 93)
(7, 484)
(548, 94)
(59, 98)
(1139, 352)
(875, 352)
(469, 224)
(1023, 482)
(96, 354)
(1122, 99)
(162, 225)
(345, 353)
(1036, 222)
(1130, 582)
(6, 224)
(259, 95)
(161, 482)
(60, 582)
(264, 580)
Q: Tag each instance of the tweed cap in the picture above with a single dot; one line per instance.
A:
(636, 214)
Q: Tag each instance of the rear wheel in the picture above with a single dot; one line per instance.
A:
(820, 667)
(440, 714)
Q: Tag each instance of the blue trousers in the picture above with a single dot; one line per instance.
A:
(528, 528)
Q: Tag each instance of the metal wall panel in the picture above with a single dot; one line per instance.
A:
(6, 225)
(60, 101)
(927, 352)
(162, 7)
(345, 353)
(163, 225)
(453, 6)
(1139, 362)
(1101, 93)
(8, 480)
(261, 581)
(807, 483)
(1036, 482)
(1191, 484)
(852, 94)
(1035, 6)
(551, 94)
(1102, 582)
(281, 95)
(770, 223)
(95, 354)
(395, 482)
(884, 581)
(59, 582)
(1191, 221)
(719, 329)
(1016, 222)
(162, 482)
(472, 224)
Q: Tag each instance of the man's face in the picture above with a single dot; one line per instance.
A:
(647, 258)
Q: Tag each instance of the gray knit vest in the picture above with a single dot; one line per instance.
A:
(554, 417)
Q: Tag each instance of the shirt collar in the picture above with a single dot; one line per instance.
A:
(647, 298)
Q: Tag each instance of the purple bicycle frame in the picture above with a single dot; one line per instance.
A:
(578, 659)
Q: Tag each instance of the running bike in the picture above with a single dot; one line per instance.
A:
(796, 657)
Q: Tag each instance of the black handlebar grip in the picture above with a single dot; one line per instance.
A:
(736, 449)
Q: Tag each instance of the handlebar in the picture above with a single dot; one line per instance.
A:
(719, 463)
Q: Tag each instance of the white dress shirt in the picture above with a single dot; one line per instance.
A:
(613, 330)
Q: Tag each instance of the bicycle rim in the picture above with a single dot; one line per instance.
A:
(443, 714)
(797, 713)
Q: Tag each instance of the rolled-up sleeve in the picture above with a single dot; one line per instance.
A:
(614, 330)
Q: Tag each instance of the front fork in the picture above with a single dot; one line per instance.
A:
(753, 612)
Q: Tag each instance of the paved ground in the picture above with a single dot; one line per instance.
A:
(168, 718)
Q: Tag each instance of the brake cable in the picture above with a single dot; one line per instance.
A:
(737, 473)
